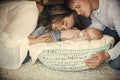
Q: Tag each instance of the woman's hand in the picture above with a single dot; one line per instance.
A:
(44, 38)
(99, 59)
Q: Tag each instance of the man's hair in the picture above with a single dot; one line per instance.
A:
(67, 3)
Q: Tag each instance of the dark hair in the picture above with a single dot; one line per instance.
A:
(80, 21)
(53, 14)
(67, 3)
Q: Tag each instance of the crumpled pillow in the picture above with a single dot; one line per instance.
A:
(69, 55)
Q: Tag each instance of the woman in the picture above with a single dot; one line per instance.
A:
(53, 20)
(17, 21)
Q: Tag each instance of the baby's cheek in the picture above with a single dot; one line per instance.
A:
(85, 37)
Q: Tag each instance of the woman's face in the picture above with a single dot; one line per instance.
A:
(82, 7)
(66, 23)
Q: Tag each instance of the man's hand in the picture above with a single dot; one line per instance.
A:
(100, 58)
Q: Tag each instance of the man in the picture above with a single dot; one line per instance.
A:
(105, 15)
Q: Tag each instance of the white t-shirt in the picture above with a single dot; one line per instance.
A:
(17, 21)
(108, 14)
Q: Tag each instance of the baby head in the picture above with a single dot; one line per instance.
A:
(90, 34)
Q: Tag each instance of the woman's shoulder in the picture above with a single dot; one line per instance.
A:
(24, 5)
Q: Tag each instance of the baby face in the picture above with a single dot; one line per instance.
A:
(84, 35)
(90, 34)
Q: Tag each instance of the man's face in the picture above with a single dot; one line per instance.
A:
(82, 7)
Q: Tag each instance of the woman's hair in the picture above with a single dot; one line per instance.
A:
(79, 22)
(53, 14)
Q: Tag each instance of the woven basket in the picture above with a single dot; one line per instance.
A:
(68, 60)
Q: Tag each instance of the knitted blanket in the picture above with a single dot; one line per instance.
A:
(69, 55)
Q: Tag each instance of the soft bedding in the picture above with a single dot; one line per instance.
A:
(69, 55)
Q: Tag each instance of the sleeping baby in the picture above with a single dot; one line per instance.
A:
(86, 34)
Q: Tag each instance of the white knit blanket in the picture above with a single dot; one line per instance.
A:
(58, 55)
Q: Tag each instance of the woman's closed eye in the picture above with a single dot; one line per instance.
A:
(64, 23)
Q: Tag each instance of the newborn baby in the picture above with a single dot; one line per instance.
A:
(86, 34)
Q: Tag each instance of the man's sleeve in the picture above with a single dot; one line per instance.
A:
(96, 24)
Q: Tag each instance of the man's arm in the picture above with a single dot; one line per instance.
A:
(113, 53)
(114, 12)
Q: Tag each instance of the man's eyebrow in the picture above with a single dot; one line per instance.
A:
(72, 5)
(73, 2)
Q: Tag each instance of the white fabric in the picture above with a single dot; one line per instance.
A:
(36, 50)
(17, 21)
(108, 14)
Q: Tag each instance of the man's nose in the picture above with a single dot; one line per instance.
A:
(78, 11)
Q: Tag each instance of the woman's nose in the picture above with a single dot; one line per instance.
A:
(60, 27)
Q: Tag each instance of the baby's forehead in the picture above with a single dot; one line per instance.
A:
(92, 31)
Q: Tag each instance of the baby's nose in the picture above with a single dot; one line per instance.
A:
(81, 34)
